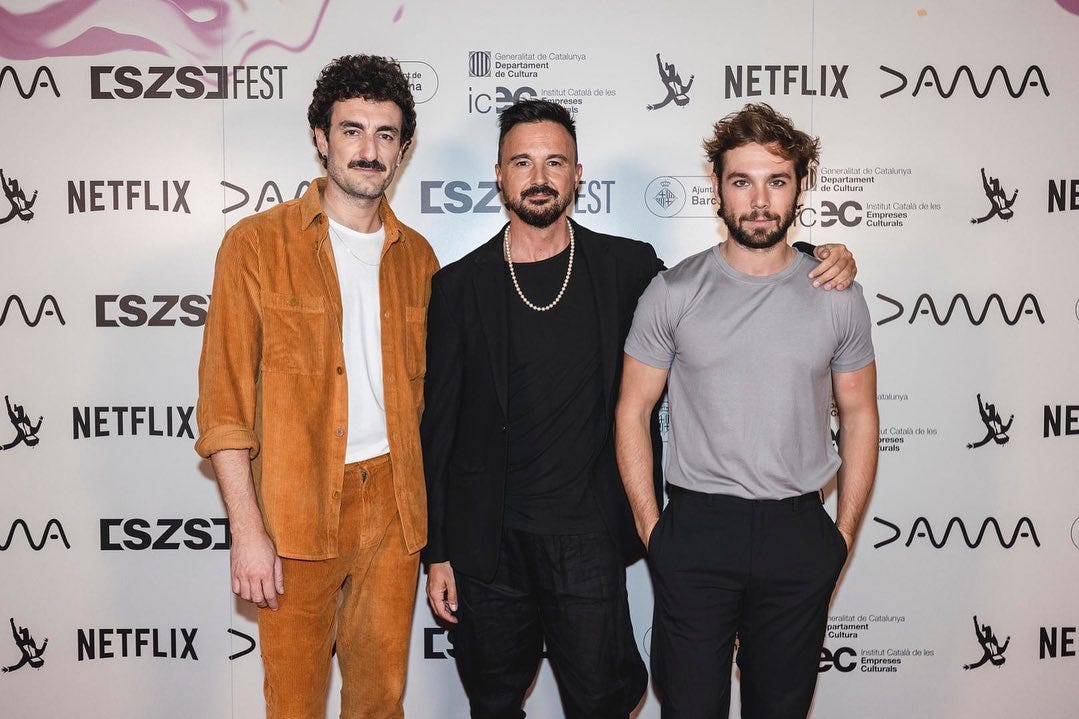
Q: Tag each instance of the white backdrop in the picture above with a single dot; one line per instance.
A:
(107, 535)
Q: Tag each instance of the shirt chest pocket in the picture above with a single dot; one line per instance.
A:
(415, 341)
(293, 333)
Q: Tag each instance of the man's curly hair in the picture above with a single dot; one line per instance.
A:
(368, 76)
(761, 124)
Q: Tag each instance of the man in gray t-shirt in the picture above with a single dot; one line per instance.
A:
(752, 356)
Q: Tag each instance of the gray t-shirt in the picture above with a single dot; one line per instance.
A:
(750, 361)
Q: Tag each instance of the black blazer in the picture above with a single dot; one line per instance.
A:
(463, 431)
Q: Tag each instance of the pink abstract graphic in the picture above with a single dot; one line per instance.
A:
(1071, 6)
(195, 30)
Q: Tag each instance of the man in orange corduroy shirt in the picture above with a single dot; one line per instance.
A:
(310, 395)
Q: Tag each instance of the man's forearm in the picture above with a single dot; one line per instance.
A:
(233, 470)
(633, 446)
(859, 437)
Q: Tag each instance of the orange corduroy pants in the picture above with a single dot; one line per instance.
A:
(363, 599)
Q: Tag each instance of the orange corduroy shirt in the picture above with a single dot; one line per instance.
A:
(272, 375)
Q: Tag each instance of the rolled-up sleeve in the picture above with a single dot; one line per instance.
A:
(231, 342)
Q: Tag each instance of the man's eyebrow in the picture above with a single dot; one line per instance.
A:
(359, 125)
(528, 156)
(745, 175)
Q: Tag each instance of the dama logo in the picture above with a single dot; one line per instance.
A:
(268, 195)
(925, 305)
(42, 80)
(246, 650)
(922, 529)
(46, 308)
(964, 76)
(53, 530)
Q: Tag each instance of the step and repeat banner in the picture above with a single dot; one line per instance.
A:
(135, 133)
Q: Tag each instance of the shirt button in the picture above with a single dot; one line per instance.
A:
(340, 431)
(386, 315)
(336, 495)
(340, 370)
(503, 428)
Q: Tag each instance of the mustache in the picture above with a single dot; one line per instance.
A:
(366, 165)
(538, 190)
(752, 216)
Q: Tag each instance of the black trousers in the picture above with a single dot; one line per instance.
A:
(568, 591)
(761, 570)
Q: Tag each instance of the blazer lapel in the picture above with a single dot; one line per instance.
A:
(602, 270)
(490, 287)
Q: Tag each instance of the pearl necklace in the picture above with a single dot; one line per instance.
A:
(513, 275)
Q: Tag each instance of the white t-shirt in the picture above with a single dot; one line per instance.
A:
(357, 257)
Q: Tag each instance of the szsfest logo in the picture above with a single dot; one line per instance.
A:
(457, 197)
(119, 534)
(19, 206)
(1000, 205)
(925, 305)
(677, 90)
(964, 79)
(155, 311)
(189, 82)
(992, 649)
(47, 307)
(996, 429)
(922, 529)
(52, 530)
(31, 653)
(25, 430)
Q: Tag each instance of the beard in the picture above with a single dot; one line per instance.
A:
(542, 216)
(761, 238)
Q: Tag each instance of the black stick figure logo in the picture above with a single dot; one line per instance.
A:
(25, 431)
(999, 204)
(677, 91)
(16, 196)
(992, 651)
(995, 428)
(31, 652)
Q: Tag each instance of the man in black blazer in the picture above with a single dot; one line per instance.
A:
(529, 529)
